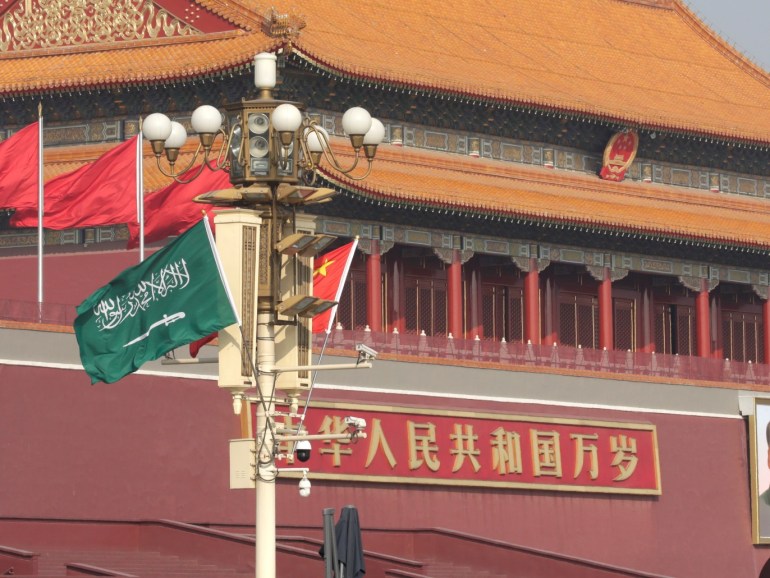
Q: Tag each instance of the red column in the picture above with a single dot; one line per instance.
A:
(532, 304)
(718, 346)
(606, 338)
(551, 328)
(473, 304)
(374, 288)
(647, 317)
(455, 295)
(703, 320)
(766, 326)
(396, 292)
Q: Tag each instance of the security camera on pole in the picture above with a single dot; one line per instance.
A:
(270, 150)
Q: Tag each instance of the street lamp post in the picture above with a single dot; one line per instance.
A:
(271, 151)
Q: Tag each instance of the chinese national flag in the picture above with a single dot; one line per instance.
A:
(100, 193)
(329, 276)
(171, 210)
(331, 271)
(19, 158)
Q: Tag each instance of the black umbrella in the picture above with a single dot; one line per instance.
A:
(350, 550)
(343, 550)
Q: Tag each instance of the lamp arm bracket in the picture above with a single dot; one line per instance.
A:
(174, 174)
(221, 159)
(326, 148)
(189, 360)
(322, 437)
(332, 159)
(360, 365)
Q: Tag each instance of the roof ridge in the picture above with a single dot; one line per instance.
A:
(721, 44)
(233, 11)
(117, 45)
(665, 4)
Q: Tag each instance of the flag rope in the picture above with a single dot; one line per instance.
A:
(312, 383)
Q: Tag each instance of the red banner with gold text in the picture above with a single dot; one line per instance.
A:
(410, 445)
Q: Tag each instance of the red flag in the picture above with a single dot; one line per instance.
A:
(329, 276)
(19, 157)
(196, 346)
(100, 193)
(171, 210)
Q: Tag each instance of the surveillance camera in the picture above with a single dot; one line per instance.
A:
(304, 486)
(238, 403)
(302, 451)
(356, 422)
(365, 351)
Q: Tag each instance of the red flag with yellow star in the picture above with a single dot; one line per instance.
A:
(329, 276)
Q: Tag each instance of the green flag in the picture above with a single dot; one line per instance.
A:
(173, 298)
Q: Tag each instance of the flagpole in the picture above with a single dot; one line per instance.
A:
(213, 244)
(140, 190)
(310, 389)
(40, 208)
(332, 316)
(343, 279)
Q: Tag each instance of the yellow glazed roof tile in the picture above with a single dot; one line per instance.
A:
(650, 64)
(128, 63)
(499, 189)
(646, 65)
(440, 182)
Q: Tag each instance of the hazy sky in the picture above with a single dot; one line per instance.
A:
(744, 23)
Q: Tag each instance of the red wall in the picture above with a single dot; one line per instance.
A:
(149, 448)
(67, 278)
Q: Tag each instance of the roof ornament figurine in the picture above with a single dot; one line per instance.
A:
(284, 26)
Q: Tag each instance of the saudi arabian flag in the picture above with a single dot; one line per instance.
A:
(175, 297)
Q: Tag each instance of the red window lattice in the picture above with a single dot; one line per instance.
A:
(425, 301)
(624, 318)
(502, 312)
(742, 336)
(675, 329)
(579, 320)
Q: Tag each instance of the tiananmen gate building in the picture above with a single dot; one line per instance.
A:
(563, 264)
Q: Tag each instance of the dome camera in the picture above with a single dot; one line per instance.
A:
(304, 486)
(302, 451)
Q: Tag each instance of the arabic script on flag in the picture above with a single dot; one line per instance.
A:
(111, 312)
